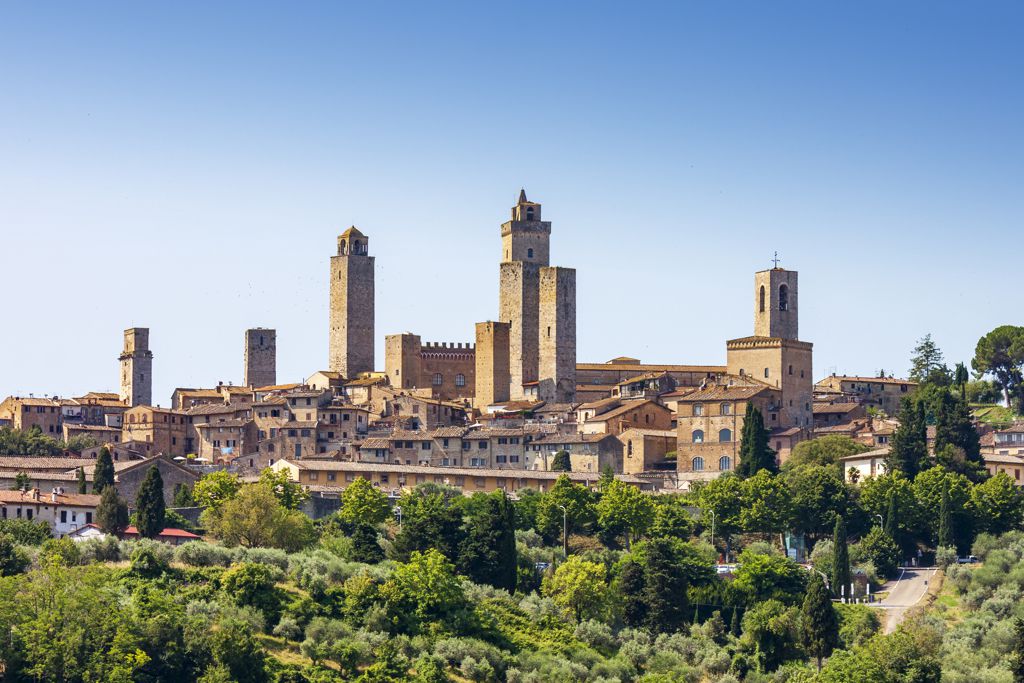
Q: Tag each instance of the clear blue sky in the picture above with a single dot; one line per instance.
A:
(187, 167)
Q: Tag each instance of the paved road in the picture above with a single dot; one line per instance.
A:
(904, 592)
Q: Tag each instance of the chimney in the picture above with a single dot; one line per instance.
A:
(53, 496)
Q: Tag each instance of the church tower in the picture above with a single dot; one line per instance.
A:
(774, 355)
(525, 243)
(352, 310)
(136, 368)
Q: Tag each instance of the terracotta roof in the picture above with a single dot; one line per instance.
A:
(375, 443)
(643, 367)
(198, 393)
(38, 464)
(167, 533)
(277, 387)
(225, 423)
(449, 432)
(102, 396)
(624, 408)
(34, 401)
(648, 432)
(344, 466)
(76, 499)
(556, 408)
(1016, 428)
(718, 392)
(364, 382)
(610, 402)
(92, 428)
(877, 453)
(836, 408)
(1005, 459)
(641, 378)
(214, 409)
(571, 438)
(788, 431)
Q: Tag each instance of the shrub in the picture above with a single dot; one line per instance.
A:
(61, 552)
(147, 562)
(945, 556)
(596, 634)
(103, 549)
(203, 554)
(273, 557)
(288, 628)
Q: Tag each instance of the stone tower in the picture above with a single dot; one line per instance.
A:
(403, 360)
(492, 364)
(352, 313)
(260, 357)
(557, 353)
(774, 355)
(525, 250)
(775, 304)
(137, 368)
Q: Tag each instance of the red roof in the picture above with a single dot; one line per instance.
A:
(172, 533)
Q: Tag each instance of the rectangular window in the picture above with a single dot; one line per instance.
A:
(63, 516)
(482, 445)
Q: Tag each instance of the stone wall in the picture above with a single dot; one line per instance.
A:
(492, 363)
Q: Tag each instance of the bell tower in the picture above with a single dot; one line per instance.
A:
(352, 308)
(776, 310)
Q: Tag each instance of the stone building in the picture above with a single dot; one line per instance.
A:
(26, 413)
(260, 357)
(538, 303)
(493, 375)
(447, 370)
(136, 368)
(163, 431)
(595, 381)
(352, 306)
(774, 355)
(643, 413)
(885, 393)
(643, 449)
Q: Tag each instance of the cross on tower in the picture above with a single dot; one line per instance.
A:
(776, 259)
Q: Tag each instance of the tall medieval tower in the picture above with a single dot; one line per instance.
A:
(774, 355)
(260, 357)
(136, 368)
(538, 303)
(352, 312)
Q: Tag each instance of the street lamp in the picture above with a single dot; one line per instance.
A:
(398, 514)
(881, 522)
(565, 530)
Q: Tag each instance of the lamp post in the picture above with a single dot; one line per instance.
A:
(881, 522)
(565, 530)
(398, 514)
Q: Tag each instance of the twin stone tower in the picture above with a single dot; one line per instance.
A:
(528, 353)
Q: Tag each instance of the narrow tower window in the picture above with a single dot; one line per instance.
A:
(529, 253)
(783, 298)
(762, 299)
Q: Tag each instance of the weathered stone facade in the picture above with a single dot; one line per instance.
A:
(492, 363)
(352, 306)
(448, 370)
(557, 352)
(136, 368)
(260, 357)
(776, 313)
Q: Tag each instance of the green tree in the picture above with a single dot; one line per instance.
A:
(824, 450)
(253, 585)
(767, 506)
(215, 489)
(149, 505)
(946, 539)
(654, 581)
(878, 547)
(1017, 656)
(580, 511)
(772, 631)
(998, 504)
(769, 577)
(13, 559)
(672, 517)
(630, 588)
(820, 625)
(255, 518)
(1000, 353)
(488, 551)
(290, 494)
(819, 496)
(365, 544)
(578, 586)
(755, 452)
(431, 518)
(362, 502)
(103, 471)
(22, 482)
(183, 496)
(562, 462)
(891, 495)
(426, 587)
(908, 450)
(83, 486)
(234, 647)
(112, 512)
(954, 429)
(960, 379)
(724, 497)
(928, 488)
(927, 358)
(624, 510)
(841, 562)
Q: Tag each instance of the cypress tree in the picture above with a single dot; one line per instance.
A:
(755, 453)
(83, 487)
(562, 462)
(891, 529)
(665, 587)
(631, 592)
(909, 448)
(821, 628)
(1017, 657)
(735, 625)
(149, 505)
(112, 512)
(487, 554)
(365, 546)
(946, 538)
(841, 562)
(103, 473)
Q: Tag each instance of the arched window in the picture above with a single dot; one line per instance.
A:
(697, 464)
(460, 380)
(438, 379)
(726, 409)
(783, 298)
(342, 247)
(725, 463)
(761, 305)
(725, 435)
(698, 436)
